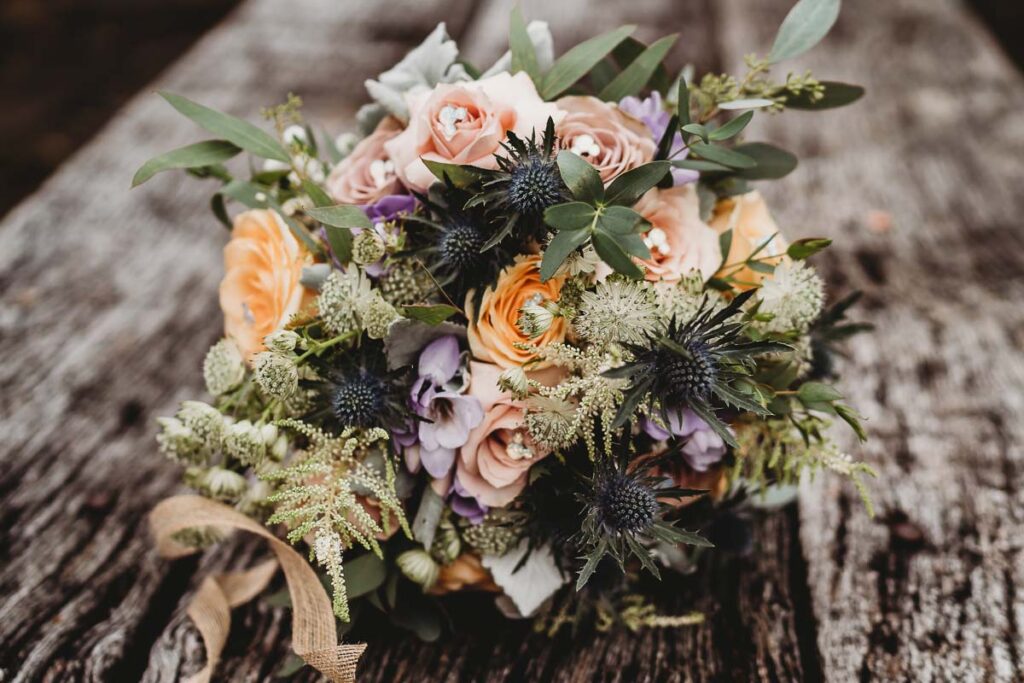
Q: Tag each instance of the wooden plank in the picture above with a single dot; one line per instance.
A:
(931, 590)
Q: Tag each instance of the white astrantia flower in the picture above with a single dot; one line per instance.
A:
(244, 441)
(222, 484)
(275, 375)
(177, 441)
(618, 311)
(223, 367)
(682, 300)
(515, 382)
(536, 316)
(282, 341)
(793, 296)
(204, 421)
(432, 62)
(580, 262)
(342, 296)
(367, 247)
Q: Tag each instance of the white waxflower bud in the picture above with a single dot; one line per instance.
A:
(276, 375)
(367, 247)
(223, 368)
(419, 567)
(294, 134)
(283, 341)
(535, 317)
(244, 441)
(514, 381)
(222, 484)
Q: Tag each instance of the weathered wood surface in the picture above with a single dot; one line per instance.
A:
(108, 304)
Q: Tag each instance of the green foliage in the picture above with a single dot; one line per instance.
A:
(197, 155)
(574, 64)
(241, 133)
(524, 57)
(804, 26)
(635, 76)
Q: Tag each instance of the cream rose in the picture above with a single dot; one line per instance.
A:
(367, 174)
(493, 332)
(752, 225)
(495, 460)
(465, 123)
(261, 290)
(680, 242)
(613, 141)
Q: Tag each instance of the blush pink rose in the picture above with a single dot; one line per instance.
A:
(367, 174)
(465, 123)
(613, 141)
(494, 463)
(680, 242)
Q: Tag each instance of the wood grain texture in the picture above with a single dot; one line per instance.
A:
(107, 304)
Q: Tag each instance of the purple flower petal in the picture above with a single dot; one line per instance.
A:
(465, 505)
(437, 461)
(439, 361)
(389, 207)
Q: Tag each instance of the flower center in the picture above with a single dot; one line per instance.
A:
(382, 172)
(657, 240)
(448, 117)
(625, 505)
(585, 145)
(517, 449)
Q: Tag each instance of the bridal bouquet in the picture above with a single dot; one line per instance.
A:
(528, 331)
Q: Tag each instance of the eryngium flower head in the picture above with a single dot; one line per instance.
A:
(358, 399)
(528, 180)
(624, 504)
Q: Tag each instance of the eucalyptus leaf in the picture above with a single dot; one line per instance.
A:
(618, 220)
(241, 133)
(460, 176)
(633, 244)
(722, 155)
(836, 95)
(316, 193)
(613, 254)
(558, 249)
(580, 176)
(431, 315)
(697, 129)
(191, 156)
(804, 26)
(570, 216)
(752, 103)
(635, 76)
(574, 64)
(807, 247)
(363, 574)
(341, 216)
(771, 162)
(683, 102)
(816, 392)
(699, 165)
(627, 188)
(732, 128)
(340, 241)
(524, 56)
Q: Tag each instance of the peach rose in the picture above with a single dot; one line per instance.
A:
(465, 573)
(752, 225)
(613, 141)
(680, 242)
(465, 123)
(493, 332)
(494, 462)
(367, 174)
(261, 289)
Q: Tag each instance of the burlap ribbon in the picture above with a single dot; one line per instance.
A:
(314, 637)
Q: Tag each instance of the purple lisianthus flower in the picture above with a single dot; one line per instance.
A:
(703, 447)
(651, 110)
(390, 207)
(448, 415)
(464, 504)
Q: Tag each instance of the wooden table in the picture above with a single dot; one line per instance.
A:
(109, 303)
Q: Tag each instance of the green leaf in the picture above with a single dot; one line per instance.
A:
(699, 165)
(816, 392)
(460, 176)
(752, 103)
(558, 249)
(570, 216)
(524, 56)
(428, 514)
(807, 247)
(612, 254)
(722, 155)
(733, 127)
(341, 216)
(192, 156)
(805, 25)
(431, 315)
(633, 244)
(725, 244)
(340, 242)
(618, 220)
(635, 76)
(627, 188)
(316, 193)
(697, 129)
(684, 102)
(245, 193)
(836, 95)
(574, 64)
(363, 574)
(771, 162)
(242, 133)
(850, 417)
(580, 176)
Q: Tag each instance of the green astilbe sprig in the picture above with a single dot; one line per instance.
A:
(318, 496)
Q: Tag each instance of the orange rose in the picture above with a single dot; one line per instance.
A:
(261, 289)
(367, 174)
(752, 225)
(493, 332)
(680, 242)
(465, 573)
(604, 135)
